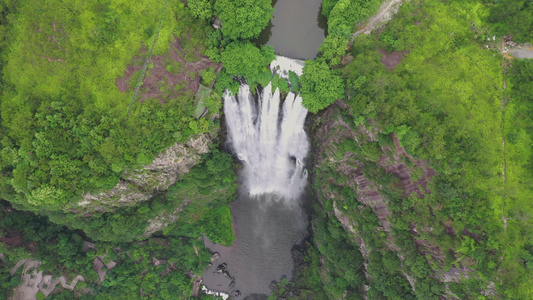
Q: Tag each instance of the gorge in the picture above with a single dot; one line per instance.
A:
(180, 149)
(267, 135)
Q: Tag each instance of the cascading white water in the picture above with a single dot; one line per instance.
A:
(271, 146)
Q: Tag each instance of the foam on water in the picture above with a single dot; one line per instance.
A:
(267, 134)
(269, 137)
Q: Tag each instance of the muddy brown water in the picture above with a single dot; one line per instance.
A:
(297, 29)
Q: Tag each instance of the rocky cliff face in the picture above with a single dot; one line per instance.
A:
(334, 131)
(162, 221)
(352, 179)
(141, 184)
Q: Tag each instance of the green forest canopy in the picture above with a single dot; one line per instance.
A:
(243, 19)
(64, 131)
(444, 100)
(320, 86)
(65, 128)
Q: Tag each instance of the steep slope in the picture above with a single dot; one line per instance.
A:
(98, 120)
(409, 165)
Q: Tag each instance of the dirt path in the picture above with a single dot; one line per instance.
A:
(504, 192)
(504, 65)
(517, 51)
(522, 51)
(386, 11)
(510, 49)
(196, 286)
(33, 281)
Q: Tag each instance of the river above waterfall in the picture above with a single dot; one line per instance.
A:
(297, 29)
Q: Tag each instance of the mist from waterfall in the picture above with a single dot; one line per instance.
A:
(268, 136)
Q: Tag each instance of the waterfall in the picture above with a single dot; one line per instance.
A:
(271, 142)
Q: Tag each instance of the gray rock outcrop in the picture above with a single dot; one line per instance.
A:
(141, 184)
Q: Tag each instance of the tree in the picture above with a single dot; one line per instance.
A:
(200, 8)
(333, 48)
(243, 59)
(344, 15)
(320, 86)
(243, 19)
(327, 6)
(513, 17)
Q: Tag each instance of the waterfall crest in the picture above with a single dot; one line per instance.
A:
(269, 137)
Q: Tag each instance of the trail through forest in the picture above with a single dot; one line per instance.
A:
(502, 108)
(386, 11)
(145, 65)
(504, 66)
(34, 281)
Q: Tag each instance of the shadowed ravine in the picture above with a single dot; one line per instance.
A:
(266, 133)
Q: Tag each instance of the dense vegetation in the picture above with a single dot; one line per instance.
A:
(63, 252)
(320, 85)
(67, 129)
(211, 185)
(243, 59)
(513, 17)
(518, 188)
(426, 80)
(425, 83)
(243, 19)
